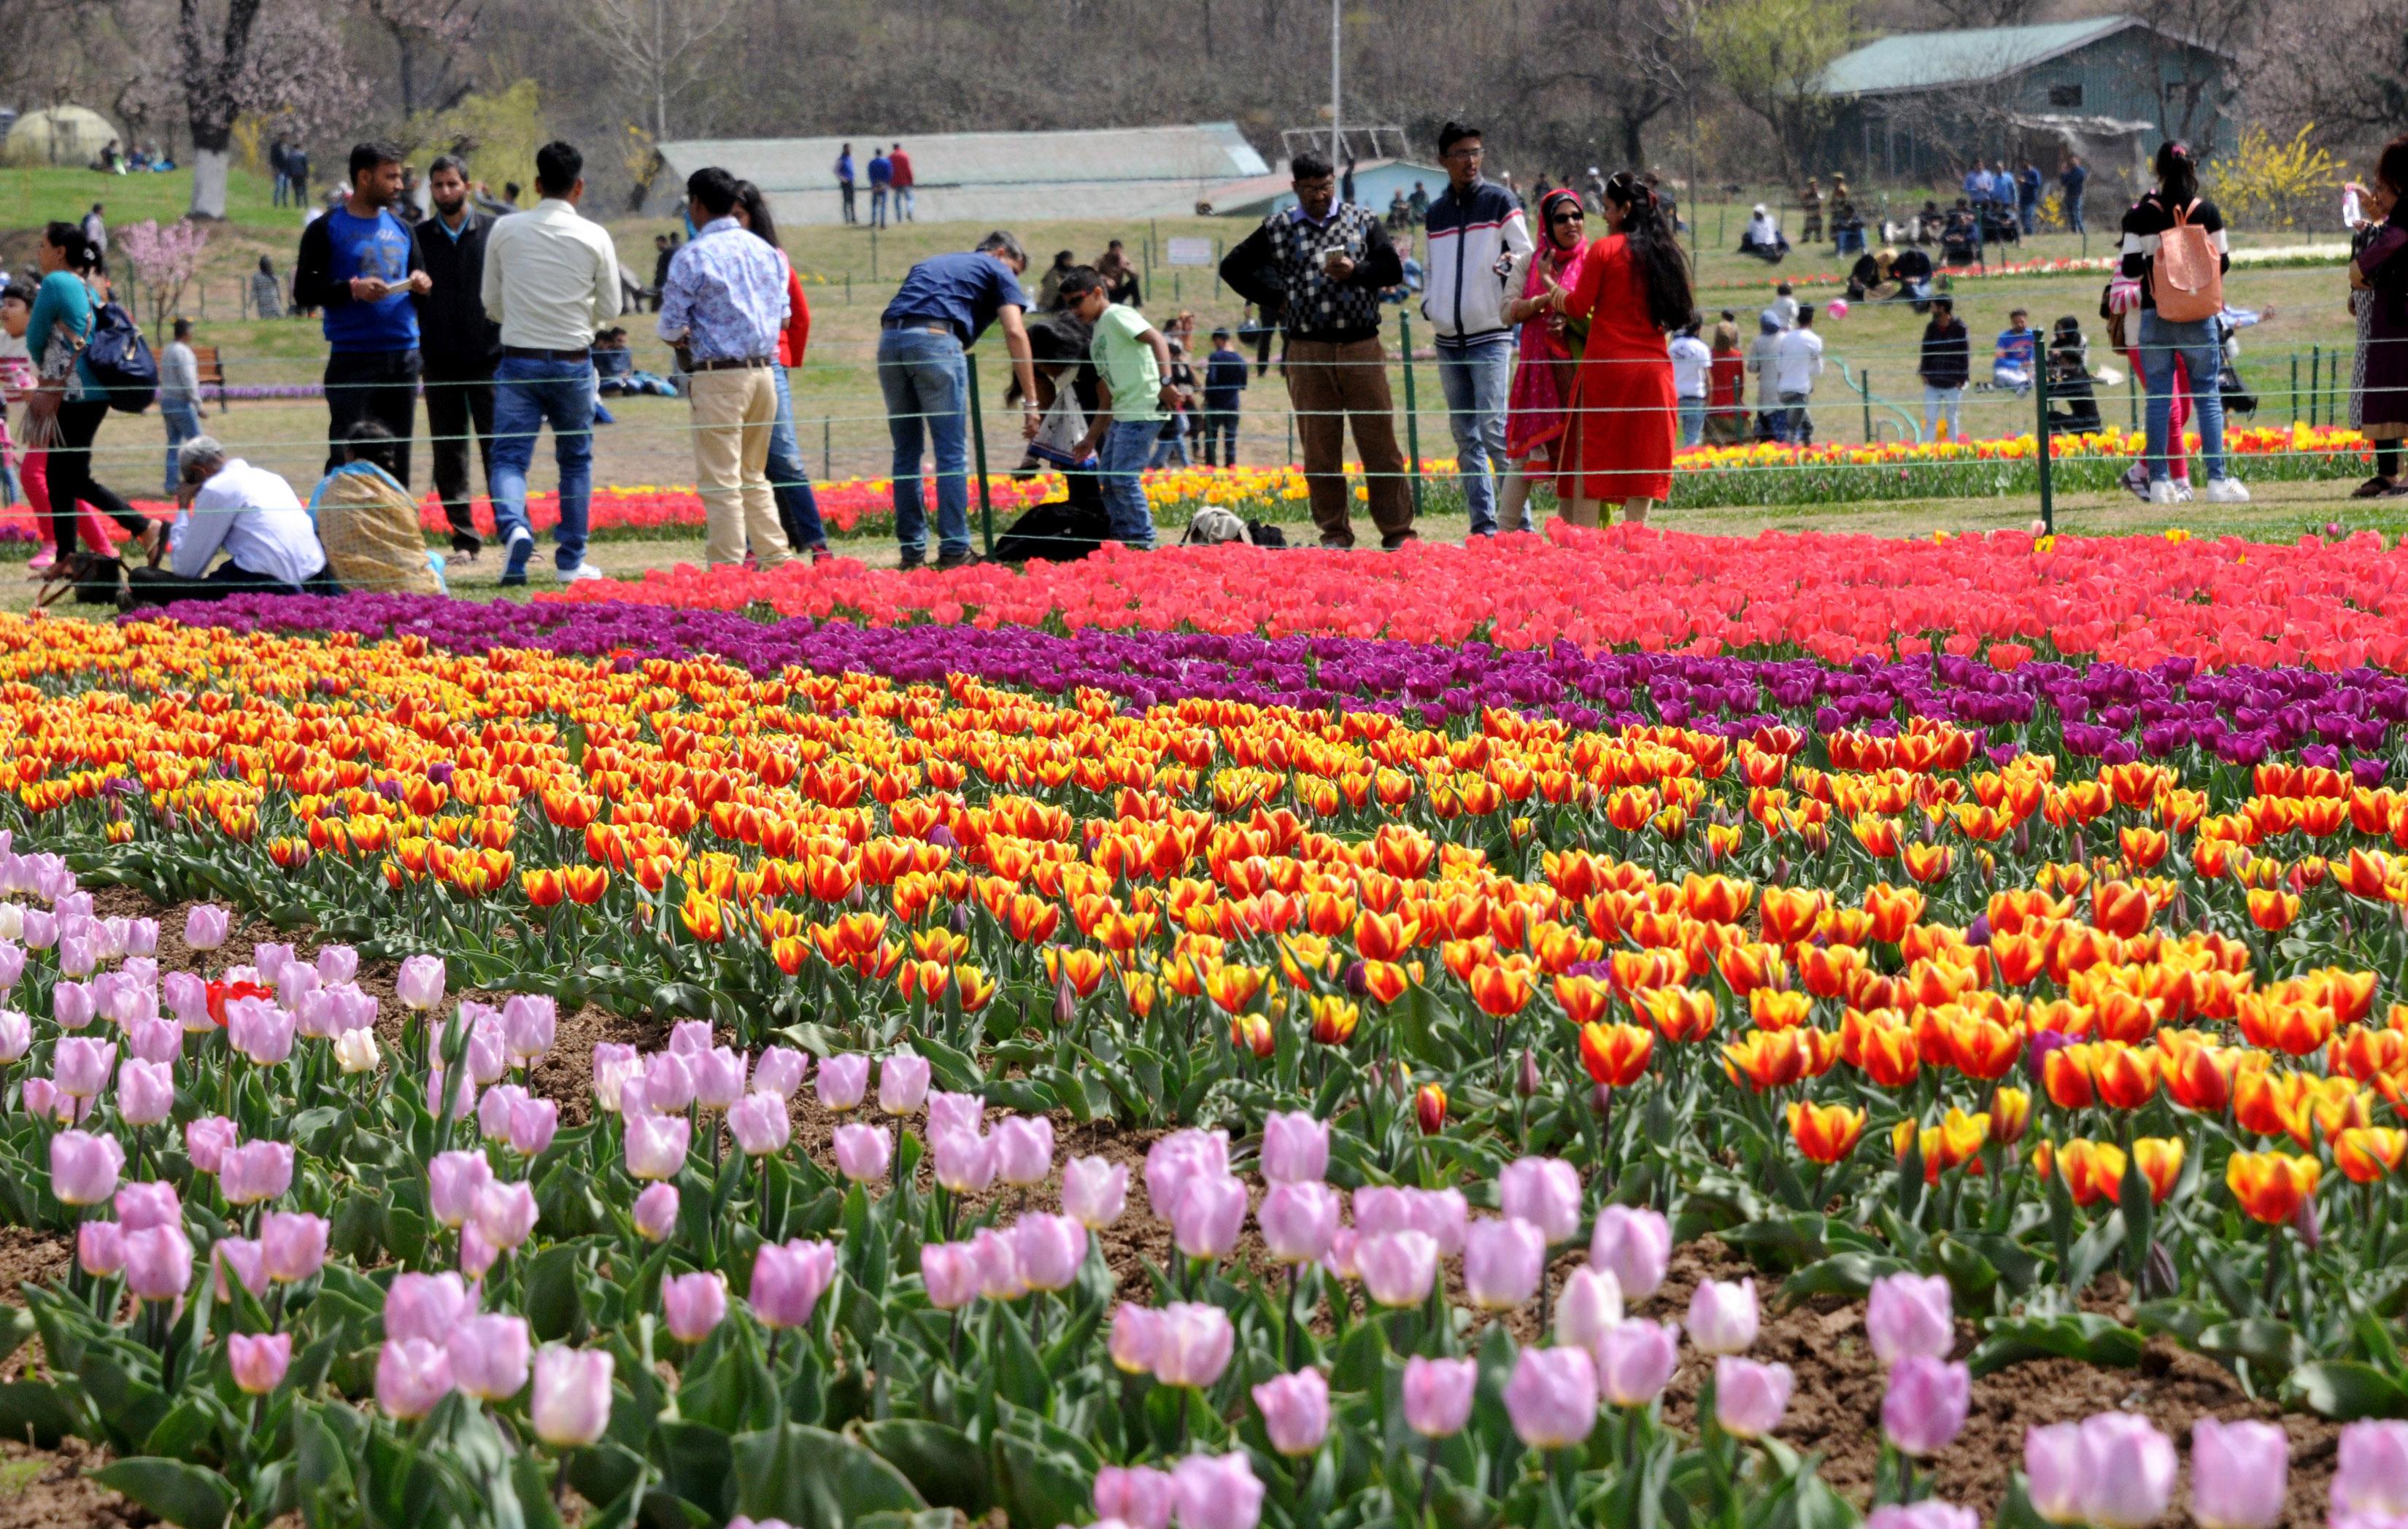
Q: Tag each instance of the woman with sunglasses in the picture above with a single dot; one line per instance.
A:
(1535, 417)
(1634, 289)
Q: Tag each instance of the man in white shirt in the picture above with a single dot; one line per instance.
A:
(180, 396)
(551, 281)
(249, 514)
(1801, 362)
(1693, 366)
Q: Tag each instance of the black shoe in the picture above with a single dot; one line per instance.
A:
(912, 559)
(467, 545)
(949, 561)
(515, 581)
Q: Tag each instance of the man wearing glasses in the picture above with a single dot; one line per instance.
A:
(1479, 249)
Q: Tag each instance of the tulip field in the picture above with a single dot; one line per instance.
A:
(1602, 1028)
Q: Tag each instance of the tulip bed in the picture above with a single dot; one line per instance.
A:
(719, 1070)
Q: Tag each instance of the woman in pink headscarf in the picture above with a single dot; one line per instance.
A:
(1542, 384)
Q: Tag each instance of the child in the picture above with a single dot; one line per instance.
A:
(1225, 379)
(1173, 439)
(1133, 361)
(16, 375)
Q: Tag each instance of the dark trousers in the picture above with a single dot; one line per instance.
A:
(159, 587)
(460, 396)
(71, 480)
(844, 190)
(1221, 425)
(379, 385)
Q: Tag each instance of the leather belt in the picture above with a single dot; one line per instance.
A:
(730, 363)
(529, 353)
(933, 326)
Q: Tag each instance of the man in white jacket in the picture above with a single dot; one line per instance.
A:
(1479, 249)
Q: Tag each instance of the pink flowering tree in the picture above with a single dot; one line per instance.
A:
(165, 260)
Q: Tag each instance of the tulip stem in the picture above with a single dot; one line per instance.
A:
(1287, 1347)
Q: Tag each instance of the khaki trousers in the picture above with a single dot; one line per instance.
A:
(1328, 384)
(733, 412)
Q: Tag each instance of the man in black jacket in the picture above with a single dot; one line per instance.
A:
(1947, 361)
(459, 343)
(1320, 266)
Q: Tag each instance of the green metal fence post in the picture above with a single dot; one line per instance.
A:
(2133, 394)
(978, 445)
(848, 286)
(2047, 475)
(2315, 380)
(2293, 415)
(1412, 422)
(1865, 386)
(827, 450)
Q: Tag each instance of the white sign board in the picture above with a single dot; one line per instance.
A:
(1191, 251)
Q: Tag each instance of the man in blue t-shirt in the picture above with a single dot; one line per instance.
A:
(1225, 384)
(881, 174)
(2018, 355)
(361, 265)
(942, 307)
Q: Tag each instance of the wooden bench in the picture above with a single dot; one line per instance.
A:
(212, 372)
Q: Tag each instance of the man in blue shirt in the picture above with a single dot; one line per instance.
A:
(844, 181)
(881, 174)
(359, 264)
(2072, 178)
(1224, 385)
(2018, 355)
(943, 307)
(2028, 195)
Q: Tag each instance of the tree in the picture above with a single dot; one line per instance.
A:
(2193, 63)
(282, 59)
(165, 260)
(1770, 55)
(427, 36)
(657, 47)
(2351, 95)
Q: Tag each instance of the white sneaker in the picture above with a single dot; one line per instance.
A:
(2182, 492)
(581, 573)
(2227, 491)
(2161, 492)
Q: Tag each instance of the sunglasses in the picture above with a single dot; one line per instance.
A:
(1566, 218)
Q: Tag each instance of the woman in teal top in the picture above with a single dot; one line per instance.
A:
(63, 303)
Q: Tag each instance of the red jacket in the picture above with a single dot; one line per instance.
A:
(902, 163)
(797, 333)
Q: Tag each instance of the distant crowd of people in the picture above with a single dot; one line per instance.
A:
(891, 180)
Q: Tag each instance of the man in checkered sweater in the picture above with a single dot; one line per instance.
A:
(1320, 266)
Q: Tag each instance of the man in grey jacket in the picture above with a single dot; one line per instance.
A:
(1479, 247)
(180, 396)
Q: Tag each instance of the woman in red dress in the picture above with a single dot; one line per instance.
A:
(1633, 289)
(1534, 421)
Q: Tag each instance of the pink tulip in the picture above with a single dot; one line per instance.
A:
(187, 997)
(1909, 1314)
(762, 1126)
(902, 1082)
(717, 1078)
(1136, 1337)
(843, 1080)
(863, 1152)
(2128, 1471)
(1551, 1397)
(1049, 1250)
(1218, 1491)
(1722, 1316)
(41, 928)
(1438, 1394)
(1170, 1161)
(998, 1266)
(411, 1376)
(339, 964)
(1211, 1212)
(1589, 1306)
(158, 1262)
(1135, 1495)
(656, 1212)
(532, 1124)
(153, 1203)
(17, 1034)
(293, 1245)
(689, 1037)
(271, 959)
(452, 1180)
(204, 926)
(1340, 1260)
(1295, 1413)
(1749, 1397)
(488, 1357)
(208, 1140)
(493, 1110)
(963, 1163)
(529, 1022)
(950, 1272)
(1544, 1192)
(153, 1040)
(80, 1065)
(1194, 1345)
(780, 1071)
(1635, 1245)
(2370, 1477)
(2241, 1473)
(259, 1363)
(146, 1093)
(1635, 1361)
(256, 1171)
(84, 1167)
(1398, 1268)
(788, 1280)
(1298, 1221)
(419, 983)
(571, 1394)
(1502, 1263)
(669, 1083)
(1024, 1149)
(1923, 1409)
(614, 1064)
(1930, 1513)
(956, 1113)
(1095, 1191)
(656, 1145)
(100, 1248)
(43, 1101)
(1296, 1149)
(693, 1305)
(2053, 1471)
(477, 1255)
(505, 1214)
(246, 1259)
(262, 1032)
(425, 1306)
(72, 1006)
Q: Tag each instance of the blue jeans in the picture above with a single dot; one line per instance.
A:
(1693, 421)
(1171, 442)
(528, 394)
(926, 385)
(1790, 424)
(1944, 404)
(183, 424)
(1119, 460)
(2202, 358)
(790, 481)
(1475, 378)
(1221, 428)
(878, 206)
(2073, 211)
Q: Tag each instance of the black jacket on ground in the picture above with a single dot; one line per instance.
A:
(452, 329)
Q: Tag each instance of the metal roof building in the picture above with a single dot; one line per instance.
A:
(1115, 172)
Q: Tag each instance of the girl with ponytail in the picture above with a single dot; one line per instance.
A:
(1633, 289)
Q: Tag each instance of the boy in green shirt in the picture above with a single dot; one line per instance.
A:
(1133, 361)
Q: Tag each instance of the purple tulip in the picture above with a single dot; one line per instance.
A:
(1503, 1259)
(1298, 1221)
(411, 1376)
(656, 1145)
(1930, 1513)
(689, 1037)
(1024, 1149)
(419, 983)
(81, 1066)
(1552, 1397)
(493, 1110)
(762, 1127)
(505, 1214)
(1398, 1268)
(2240, 1474)
(668, 1083)
(573, 1395)
(291, 1245)
(488, 1357)
(1211, 1212)
(2370, 1477)
(1296, 1149)
(84, 1167)
(843, 1080)
(1923, 1409)
(788, 1280)
(1049, 1250)
(1193, 1344)
(2127, 1473)
(1591, 1305)
(340, 963)
(246, 1259)
(1722, 1316)
(1179, 1157)
(153, 1203)
(187, 997)
(1635, 1361)
(956, 1113)
(71, 1005)
(100, 1248)
(863, 1152)
(1909, 1314)
(718, 1077)
(1218, 1491)
(1135, 1495)
(950, 1272)
(1136, 1337)
(529, 1022)
(1295, 1413)
(452, 1180)
(1635, 1245)
(656, 1212)
(208, 1140)
(425, 1306)
(1749, 1397)
(1442, 1214)
(158, 1262)
(1095, 1191)
(258, 1363)
(998, 1266)
(204, 926)
(1544, 1192)
(1439, 1394)
(902, 1082)
(780, 1071)
(614, 1064)
(255, 1171)
(532, 1124)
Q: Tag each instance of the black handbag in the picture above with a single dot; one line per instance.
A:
(120, 360)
